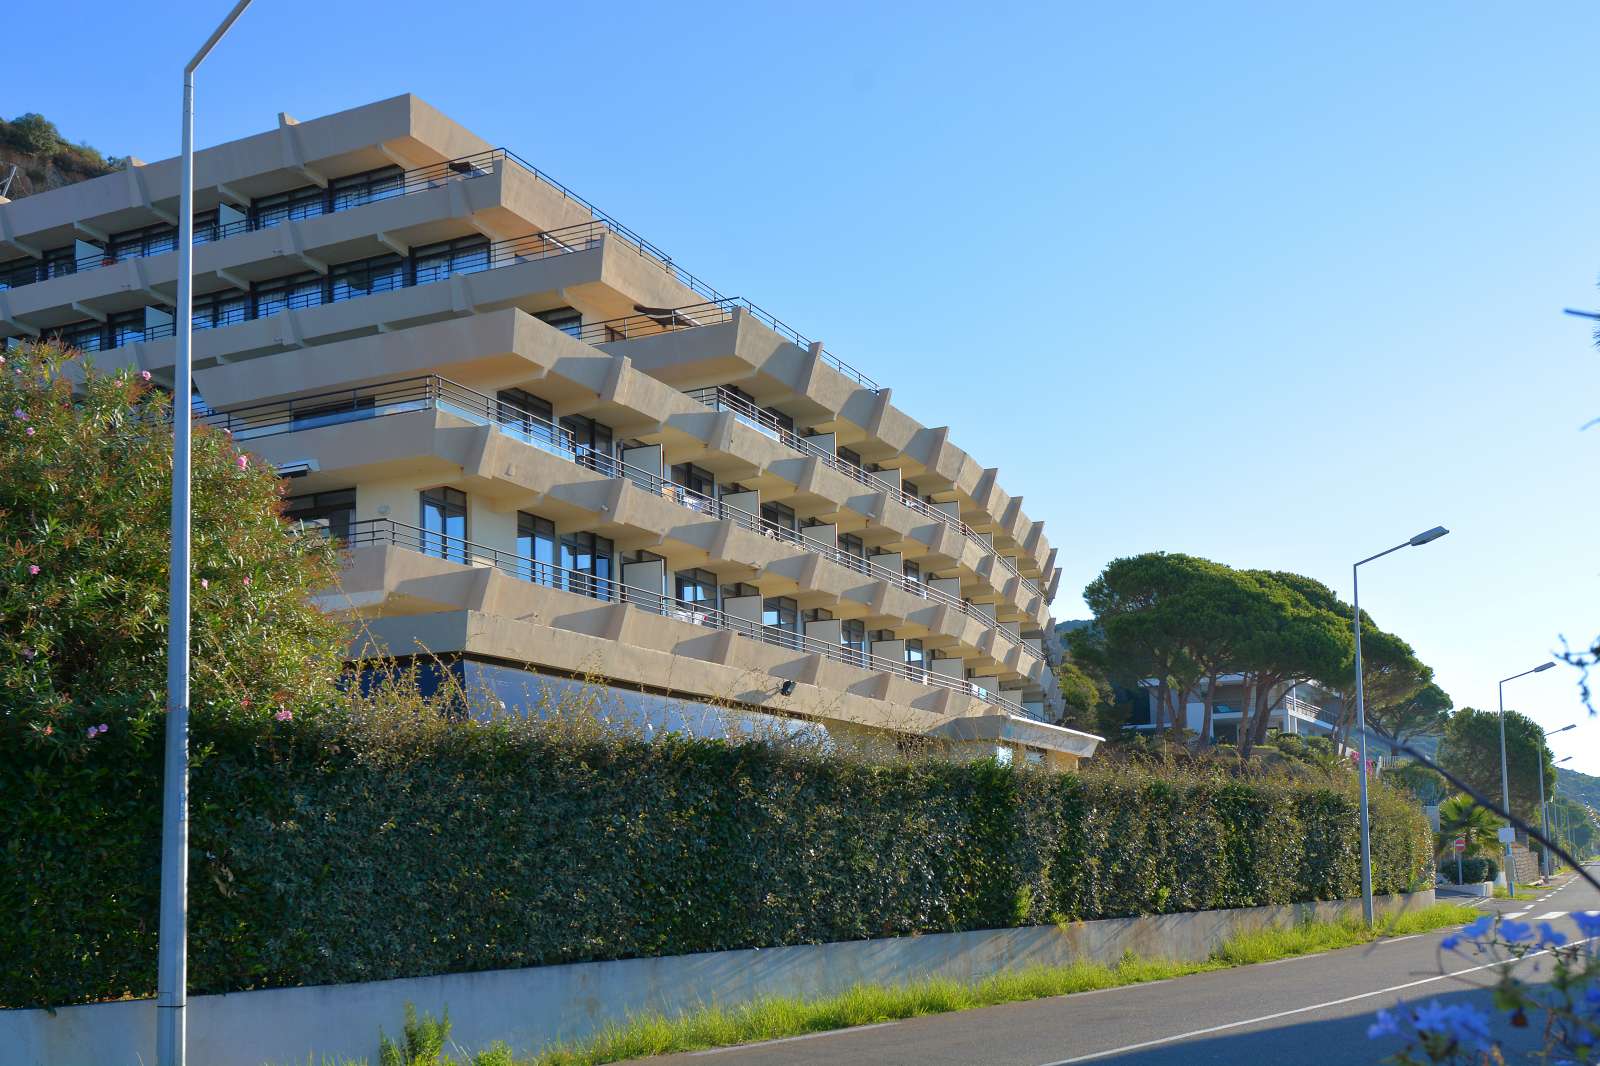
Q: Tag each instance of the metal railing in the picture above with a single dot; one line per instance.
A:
(384, 531)
(431, 392)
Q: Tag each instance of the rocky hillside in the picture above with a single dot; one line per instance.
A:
(44, 159)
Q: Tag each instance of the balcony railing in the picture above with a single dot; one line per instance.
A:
(431, 392)
(405, 183)
(384, 531)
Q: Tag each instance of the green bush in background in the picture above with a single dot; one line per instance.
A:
(390, 844)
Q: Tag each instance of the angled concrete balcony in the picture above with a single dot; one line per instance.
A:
(404, 569)
(432, 428)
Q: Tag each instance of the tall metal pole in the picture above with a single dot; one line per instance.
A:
(173, 943)
(1425, 537)
(1505, 798)
(1361, 740)
(1544, 820)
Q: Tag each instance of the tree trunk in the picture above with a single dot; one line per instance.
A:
(1247, 717)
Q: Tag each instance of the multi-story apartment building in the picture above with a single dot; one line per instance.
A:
(553, 452)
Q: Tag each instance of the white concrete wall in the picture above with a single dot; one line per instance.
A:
(532, 1007)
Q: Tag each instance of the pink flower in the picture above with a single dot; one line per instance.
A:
(49, 729)
(145, 374)
(33, 568)
(247, 582)
(103, 728)
(30, 431)
(28, 653)
(204, 583)
(243, 461)
(284, 715)
(92, 733)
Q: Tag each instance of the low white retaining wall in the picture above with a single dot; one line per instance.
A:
(532, 1007)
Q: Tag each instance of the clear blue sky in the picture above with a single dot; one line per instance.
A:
(1272, 286)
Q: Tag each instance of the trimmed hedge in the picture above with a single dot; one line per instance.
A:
(1474, 871)
(324, 853)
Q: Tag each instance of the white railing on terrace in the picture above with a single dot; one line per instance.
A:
(383, 531)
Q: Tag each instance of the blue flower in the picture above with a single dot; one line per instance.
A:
(1386, 1025)
(1549, 938)
(1516, 932)
(1465, 1024)
(1451, 942)
(1478, 929)
(1588, 922)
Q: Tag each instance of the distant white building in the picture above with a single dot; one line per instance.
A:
(1305, 709)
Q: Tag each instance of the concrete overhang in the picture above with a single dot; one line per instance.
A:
(1015, 729)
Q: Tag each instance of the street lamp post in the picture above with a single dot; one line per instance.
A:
(1544, 811)
(1505, 780)
(173, 944)
(1417, 541)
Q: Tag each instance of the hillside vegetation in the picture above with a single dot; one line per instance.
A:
(44, 159)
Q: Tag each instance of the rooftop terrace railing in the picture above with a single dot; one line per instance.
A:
(384, 531)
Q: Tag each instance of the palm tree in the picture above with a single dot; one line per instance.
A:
(1459, 816)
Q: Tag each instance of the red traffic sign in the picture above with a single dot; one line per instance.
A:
(1461, 843)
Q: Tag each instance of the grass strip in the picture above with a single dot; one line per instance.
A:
(772, 1019)
(1501, 893)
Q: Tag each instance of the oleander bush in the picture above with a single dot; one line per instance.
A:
(387, 843)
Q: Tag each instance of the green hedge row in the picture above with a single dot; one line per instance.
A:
(329, 854)
(1474, 871)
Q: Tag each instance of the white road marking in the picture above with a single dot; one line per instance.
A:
(1515, 914)
(1397, 939)
(1292, 958)
(1547, 917)
(1282, 1014)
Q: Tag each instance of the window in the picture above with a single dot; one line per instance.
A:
(332, 512)
(464, 255)
(914, 655)
(816, 614)
(332, 414)
(592, 441)
(695, 479)
(738, 590)
(283, 294)
(84, 336)
(696, 586)
(151, 240)
(850, 456)
(59, 262)
(853, 635)
(20, 272)
(531, 417)
(359, 189)
(781, 616)
(444, 524)
(588, 558)
(126, 327)
(536, 543)
(780, 515)
(291, 206)
(852, 545)
(566, 319)
(913, 571)
(380, 273)
(220, 309)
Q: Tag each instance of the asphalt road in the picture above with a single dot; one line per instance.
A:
(1311, 1009)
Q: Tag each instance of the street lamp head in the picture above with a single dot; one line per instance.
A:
(1558, 762)
(1428, 537)
(1563, 729)
(1542, 669)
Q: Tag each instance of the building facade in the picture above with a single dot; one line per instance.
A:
(552, 452)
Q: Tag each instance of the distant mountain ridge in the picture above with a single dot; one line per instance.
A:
(1575, 786)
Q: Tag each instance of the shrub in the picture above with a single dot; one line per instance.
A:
(1474, 871)
(392, 844)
